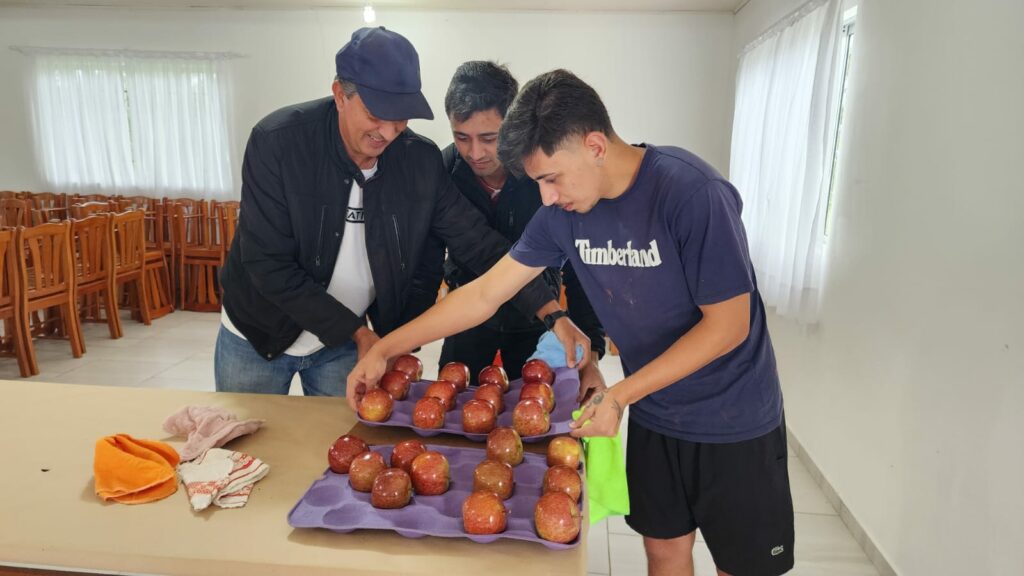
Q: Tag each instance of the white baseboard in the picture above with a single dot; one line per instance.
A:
(865, 542)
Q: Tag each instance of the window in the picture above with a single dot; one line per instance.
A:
(843, 67)
(132, 122)
(784, 150)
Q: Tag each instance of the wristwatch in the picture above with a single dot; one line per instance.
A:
(550, 319)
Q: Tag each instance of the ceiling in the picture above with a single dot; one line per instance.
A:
(562, 5)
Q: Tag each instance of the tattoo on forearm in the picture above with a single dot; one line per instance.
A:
(599, 397)
(618, 409)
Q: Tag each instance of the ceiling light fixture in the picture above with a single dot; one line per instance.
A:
(369, 16)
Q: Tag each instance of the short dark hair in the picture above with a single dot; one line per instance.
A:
(550, 109)
(478, 86)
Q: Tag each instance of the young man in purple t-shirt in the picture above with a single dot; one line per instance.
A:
(655, 236)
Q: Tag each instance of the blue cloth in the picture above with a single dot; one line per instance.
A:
(238, 367)
(550, 350)
(647, 260)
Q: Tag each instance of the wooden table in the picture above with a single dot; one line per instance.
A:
(50, 516)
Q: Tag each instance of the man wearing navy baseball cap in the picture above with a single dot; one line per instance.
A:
(338, 200)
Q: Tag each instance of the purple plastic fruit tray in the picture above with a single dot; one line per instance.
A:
(331, 503)
(566, 388)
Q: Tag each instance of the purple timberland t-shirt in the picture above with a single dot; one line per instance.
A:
(647, 260)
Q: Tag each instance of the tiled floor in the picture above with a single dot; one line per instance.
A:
(177, 352)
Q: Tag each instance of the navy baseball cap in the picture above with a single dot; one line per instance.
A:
(386, 69)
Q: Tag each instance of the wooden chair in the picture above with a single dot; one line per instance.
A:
(5, 194)
(130, 259)
(47, 277)
(158, 276)
(15, 212)
(92, 247)
(226, 214)
(86, 209)
(171, 249)
(10, 303)
(198, 255)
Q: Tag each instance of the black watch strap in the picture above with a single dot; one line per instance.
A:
(550, 319)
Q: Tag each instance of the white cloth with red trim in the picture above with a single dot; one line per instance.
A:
(221, 477)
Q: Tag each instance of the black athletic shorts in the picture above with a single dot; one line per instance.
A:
(737, 494)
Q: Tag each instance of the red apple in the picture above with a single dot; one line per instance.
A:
(530, 418)
(457, 373)
(391, 489)
(557, 518)
(343, 451)
(493, 375)
(409, 364)
(478, 417)
(405, 452)
(364, 470)
(430, 473)
(483, 512)
(428, 413)
(537, 370)
(560, 478)
(494, 476)
(566, 451)
(376, 405)
(492, 393)
(444, 391)
(539, 391)
(505, 445)
(397, 383)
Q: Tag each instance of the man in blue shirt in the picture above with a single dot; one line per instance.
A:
(655, 236)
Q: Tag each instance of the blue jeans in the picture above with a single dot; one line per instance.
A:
(238, 367)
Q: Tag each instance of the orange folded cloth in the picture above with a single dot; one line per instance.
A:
(133, 471)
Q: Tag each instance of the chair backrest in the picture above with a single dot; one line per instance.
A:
(45, 250)
(157, 235)
(129, 241)
(190, 207)
(84, 209)
(44, 215)
(48, 200)
(191, 228)
(135, 203)
(9, 194)
(7, 269)
(92, 246)
(83, 198)
(15, 212)
(226, 214)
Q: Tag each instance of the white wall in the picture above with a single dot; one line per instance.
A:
(666, 78)
(909, 395)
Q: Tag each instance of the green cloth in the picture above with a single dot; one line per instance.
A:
(607, 490)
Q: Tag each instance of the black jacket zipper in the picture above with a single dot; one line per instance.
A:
(398, 242)
(320, 236)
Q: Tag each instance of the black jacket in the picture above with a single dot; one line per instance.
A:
(296, 179)
(509, 215)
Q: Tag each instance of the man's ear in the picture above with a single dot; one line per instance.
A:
(339, 95)
(596, 144)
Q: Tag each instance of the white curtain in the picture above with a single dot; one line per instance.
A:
(780, 156)
(179, 116)
(81, 123)
(132, 123)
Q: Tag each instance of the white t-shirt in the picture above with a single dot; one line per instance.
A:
(351, 282)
